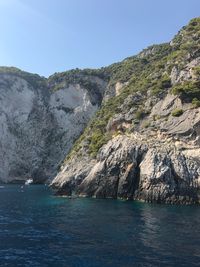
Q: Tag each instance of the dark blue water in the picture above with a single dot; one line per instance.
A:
(38, 229)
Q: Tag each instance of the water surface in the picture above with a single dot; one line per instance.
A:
(38, 229)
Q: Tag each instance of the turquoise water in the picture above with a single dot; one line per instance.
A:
(38, 229)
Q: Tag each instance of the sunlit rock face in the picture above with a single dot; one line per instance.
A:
(38, 125)
(144, 143)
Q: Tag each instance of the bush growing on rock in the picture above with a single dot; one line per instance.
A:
(177, 112)
(187, 90)
(139, 114)
(196, 103)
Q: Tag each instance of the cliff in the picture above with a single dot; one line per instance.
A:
(130, 130)
(144, 142)
(40, 119)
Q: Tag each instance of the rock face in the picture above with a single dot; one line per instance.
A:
(126, 168)
(144, 143)
(38, 126)
(169, 176)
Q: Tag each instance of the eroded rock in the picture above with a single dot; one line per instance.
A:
(128, 169)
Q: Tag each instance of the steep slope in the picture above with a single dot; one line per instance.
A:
(144, 142)
(40, 119)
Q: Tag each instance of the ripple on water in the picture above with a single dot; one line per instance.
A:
(38, 229)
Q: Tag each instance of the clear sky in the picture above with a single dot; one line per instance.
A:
(47, 36)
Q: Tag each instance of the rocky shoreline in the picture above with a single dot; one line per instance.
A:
(130, 130)
(132, 171)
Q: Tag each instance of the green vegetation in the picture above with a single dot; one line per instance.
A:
(177, 112)
(140, 114)
(33, 79)
(149, 72)
(95, 134)
(161, 85)
(189, 33)
(76, 75)
(196, 103)
(123, 71)
(185, 43)
(59, 86)
(156, 52)
(187, 90)
(196, 71)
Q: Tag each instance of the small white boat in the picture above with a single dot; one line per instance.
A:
(28, 181)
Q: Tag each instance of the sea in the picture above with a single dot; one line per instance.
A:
(40, 229)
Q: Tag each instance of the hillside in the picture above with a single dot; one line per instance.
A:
(130, 130)
(144, 141)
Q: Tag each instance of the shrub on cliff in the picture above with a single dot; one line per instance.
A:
(196, 103)
(177, 112)
(187, 90)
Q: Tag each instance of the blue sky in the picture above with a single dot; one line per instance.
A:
(47, 36)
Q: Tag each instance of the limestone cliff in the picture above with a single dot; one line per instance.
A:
(40, 119)
(130, 130)
(144, 142)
